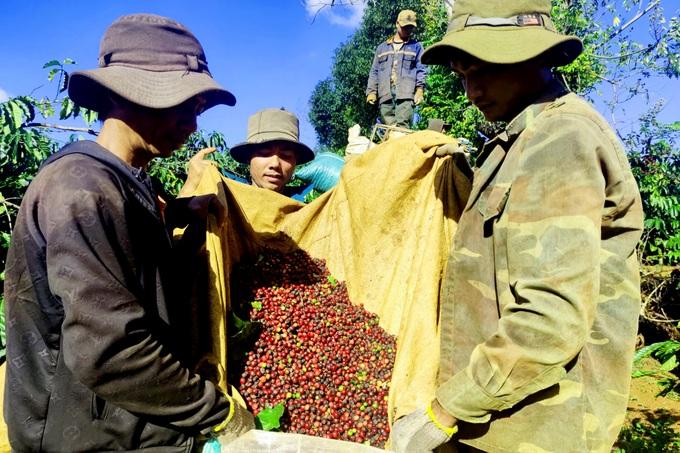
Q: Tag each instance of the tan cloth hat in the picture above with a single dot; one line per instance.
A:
(406, 17)
(272, 125)
(503, 32)
(151, 61)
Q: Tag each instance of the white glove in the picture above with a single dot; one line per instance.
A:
(450, 149)
(239, 420)
(418, 433)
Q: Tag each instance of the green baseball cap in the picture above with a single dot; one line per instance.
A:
(503, 32)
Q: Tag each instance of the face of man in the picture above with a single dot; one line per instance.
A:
(148, 133)
(169, 128)
(272, 166)
(405, 32)
(501, 91)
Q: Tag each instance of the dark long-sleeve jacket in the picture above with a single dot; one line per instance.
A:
(410, 71)
(91, 359)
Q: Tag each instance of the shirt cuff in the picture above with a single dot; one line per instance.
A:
(461, 397)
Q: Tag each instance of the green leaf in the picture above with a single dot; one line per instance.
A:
(645, 352)
(243, 334)
(670, 364)
(52, 73)
(641, 373)
(16, 114)
(269, 419)
(90, 116)
(239, 323)
(66, 108)
(5, 239)
(256, 304)
(51, 63)
(332, 280)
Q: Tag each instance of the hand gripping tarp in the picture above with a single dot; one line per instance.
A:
(385, 229)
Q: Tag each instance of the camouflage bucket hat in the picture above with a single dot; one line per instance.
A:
(503, 32)
(151, 61)
(272, 125)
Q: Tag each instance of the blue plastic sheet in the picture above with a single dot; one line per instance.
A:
(323, 171)
(212, 446)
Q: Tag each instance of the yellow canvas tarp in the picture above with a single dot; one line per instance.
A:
(385, 229)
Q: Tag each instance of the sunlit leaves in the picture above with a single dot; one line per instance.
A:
(16, 112)
(172, 171)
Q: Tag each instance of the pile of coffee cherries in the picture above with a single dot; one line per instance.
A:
(327, 360)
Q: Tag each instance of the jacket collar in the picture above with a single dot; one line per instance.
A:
(527, 116)
(494, 151)
(390, 40)
(523, 120)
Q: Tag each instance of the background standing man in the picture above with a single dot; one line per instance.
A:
(272, 149)
(397, 77)
(540, 301)
(93, 360)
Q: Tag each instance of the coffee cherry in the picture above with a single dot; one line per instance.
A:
(324, 357)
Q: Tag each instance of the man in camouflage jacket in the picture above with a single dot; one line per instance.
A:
(541, 296)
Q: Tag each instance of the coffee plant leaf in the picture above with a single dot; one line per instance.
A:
(269, 419)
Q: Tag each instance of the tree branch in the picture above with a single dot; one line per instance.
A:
(625, 55)
(328, 3)
(634, 19)
(63, 128)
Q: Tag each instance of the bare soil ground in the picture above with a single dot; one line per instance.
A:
(645, 405)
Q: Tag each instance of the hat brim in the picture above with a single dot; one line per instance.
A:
(244, 151)
(501, 45)
(152, 89)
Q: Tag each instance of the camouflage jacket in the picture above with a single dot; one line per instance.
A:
(541, 294)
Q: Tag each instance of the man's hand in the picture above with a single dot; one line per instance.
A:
(371, 98)
(418, 96)
(462, 147)
(197, 166)
(421, 431)
(200, 206)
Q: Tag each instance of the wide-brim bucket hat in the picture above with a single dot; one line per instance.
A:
(151, 61)
(269, 126)
(503, 32)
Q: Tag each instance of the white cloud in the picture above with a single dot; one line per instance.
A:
(345, 13)
(3, 95)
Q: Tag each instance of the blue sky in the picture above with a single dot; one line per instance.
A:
(269, 53)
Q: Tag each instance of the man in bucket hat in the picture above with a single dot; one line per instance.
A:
(397, 77)
(93, 358)
(541, 294)
(272, 149)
